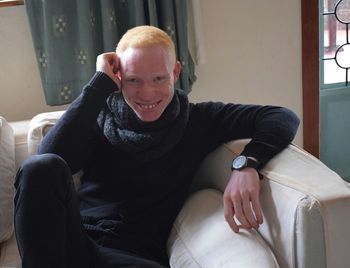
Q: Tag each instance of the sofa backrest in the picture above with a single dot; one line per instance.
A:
(38, 127)
(7, 174)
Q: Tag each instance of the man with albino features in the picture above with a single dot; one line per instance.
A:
(139, 142)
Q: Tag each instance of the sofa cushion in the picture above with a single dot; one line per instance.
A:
(20, 132)
(38, 128)
(9, 257)
(201, 238)
(7, 174)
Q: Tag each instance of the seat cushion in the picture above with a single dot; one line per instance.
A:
(9, 257)
(201, 238)
(7, 174)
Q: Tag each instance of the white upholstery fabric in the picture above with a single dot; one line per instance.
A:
(9, 257)
(7, 174)
(297, 188)
(304, 173)
(38, 127)
(202, 238)
(20, 131)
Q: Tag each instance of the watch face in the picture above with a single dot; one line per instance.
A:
(239, 162)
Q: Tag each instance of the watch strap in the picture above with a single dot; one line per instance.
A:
(252, 163)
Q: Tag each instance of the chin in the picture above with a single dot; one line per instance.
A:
(150, 115)
(147, 118)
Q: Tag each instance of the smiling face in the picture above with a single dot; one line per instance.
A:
(148, 75)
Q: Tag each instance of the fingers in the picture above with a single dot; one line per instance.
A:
(241, 201)
(240, 213)
(248, 215)
(228, 213)
(107, 61)
(247, 212)
(109, 64)
(257, 208)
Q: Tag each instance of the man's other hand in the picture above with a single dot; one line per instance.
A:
(241, 199)
(109, 64)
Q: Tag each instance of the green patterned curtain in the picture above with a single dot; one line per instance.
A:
(68, 35)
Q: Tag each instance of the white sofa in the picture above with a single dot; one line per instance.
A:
(306, 209)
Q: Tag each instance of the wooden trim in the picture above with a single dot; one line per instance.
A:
(8, 3)
(310, 75)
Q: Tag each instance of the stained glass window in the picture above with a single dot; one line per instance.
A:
(335, 44)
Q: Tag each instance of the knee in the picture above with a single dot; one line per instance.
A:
(43, 170)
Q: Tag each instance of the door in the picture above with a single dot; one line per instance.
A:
(334, 85)
(326, 91)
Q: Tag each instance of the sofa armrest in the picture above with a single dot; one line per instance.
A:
(322, 215)
(306, 205)
(39, 126)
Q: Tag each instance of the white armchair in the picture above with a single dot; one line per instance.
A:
(306, 214)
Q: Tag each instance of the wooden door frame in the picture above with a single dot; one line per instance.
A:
(310, 75)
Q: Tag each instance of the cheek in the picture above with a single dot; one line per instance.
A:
(128, 94)
(170, 93)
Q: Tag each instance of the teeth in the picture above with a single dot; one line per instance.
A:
(148, 106)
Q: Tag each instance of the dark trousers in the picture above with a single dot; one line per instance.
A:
(48, 225)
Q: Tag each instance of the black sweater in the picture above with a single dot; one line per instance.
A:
(120, 195)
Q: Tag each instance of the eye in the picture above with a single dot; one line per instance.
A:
(159, 79)
(132, 80)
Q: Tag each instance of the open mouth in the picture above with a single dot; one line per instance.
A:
(148, 106)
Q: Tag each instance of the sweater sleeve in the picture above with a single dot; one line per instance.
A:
(274, 132)
(73, 136)
(270, 128)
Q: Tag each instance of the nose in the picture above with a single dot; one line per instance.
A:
(147, 92)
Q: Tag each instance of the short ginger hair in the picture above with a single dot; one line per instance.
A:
(145, 36)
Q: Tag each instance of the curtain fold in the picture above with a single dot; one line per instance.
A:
(68, 35)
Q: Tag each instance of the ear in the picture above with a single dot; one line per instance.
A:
(119, 70)
(119, 75)
(177, 71)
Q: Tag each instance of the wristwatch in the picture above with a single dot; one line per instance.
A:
(243, 161)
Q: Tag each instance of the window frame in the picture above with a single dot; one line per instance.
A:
(310, 75)
(334, 85)
(8, 3)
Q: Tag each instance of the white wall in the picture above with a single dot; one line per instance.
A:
(21, 94)
(253, 51)
(253, 56)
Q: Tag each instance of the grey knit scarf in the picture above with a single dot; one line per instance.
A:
(145, 141)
